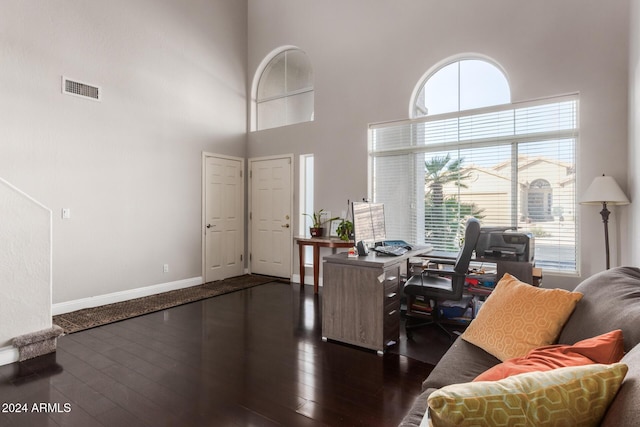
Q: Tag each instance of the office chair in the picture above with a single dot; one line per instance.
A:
(441, 284)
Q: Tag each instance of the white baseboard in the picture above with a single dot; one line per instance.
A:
(308, 280)
(79, 304)
(8, 355)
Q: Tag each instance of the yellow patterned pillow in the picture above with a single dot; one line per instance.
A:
(572, 396)
(517, 317)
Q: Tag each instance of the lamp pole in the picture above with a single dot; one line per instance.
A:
(605, 219)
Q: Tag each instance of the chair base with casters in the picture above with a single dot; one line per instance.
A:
(415, 320)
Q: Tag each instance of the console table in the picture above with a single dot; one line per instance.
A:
(361, 299)
(317, 243)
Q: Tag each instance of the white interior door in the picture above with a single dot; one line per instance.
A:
(270, 217)
(223, 217)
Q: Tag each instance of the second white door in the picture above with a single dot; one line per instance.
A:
(270, 217)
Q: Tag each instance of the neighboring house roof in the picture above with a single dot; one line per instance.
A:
(524, 162)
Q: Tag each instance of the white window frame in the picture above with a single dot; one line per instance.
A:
(306, 202)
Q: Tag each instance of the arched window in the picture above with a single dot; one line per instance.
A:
(468, 151)
(461, 85)
(284, 91)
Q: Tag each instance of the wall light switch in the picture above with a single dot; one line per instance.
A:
(66, 213)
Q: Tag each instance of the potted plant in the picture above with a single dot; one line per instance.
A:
(317, 220)
(345, 230)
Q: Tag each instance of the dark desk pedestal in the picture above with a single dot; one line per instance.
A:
(361, 299)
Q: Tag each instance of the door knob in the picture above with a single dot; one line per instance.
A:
(285, 226)
(209, 225)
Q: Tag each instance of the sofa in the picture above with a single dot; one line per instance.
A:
(610, 300)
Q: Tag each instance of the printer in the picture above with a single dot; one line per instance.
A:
(505, 243)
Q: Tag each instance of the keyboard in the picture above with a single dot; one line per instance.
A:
(400, 243)
(391, 250)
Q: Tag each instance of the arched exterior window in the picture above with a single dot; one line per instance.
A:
(284, 92)
(461, 85)
(540, 201)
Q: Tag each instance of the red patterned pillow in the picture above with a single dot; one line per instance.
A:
(606, 349)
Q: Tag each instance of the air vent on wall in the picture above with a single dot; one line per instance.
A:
(83, 90)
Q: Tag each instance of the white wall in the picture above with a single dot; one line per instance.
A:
(634, 134)
(173, 76)
(368, 55)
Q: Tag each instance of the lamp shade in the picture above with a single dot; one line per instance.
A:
(604, 189)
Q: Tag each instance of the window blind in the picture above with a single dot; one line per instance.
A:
(509, 166)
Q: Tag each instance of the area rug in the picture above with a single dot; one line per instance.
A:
(91, 317)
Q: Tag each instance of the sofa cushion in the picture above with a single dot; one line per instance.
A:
(624, 411)
(460, 364)
(611, 301)
(577, 395)
(606, 348)
(517, 317)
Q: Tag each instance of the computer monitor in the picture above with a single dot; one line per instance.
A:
(368, 222)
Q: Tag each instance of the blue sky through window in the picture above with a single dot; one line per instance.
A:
(465, 85)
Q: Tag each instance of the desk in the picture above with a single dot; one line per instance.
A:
(317, 243)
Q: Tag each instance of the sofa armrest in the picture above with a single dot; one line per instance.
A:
(418, 410)
(624, 411)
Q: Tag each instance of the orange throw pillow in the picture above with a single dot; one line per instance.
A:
(517, 317)
(606, 349)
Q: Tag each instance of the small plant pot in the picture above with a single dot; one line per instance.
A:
(316, 232)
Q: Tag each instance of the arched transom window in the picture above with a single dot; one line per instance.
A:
(285, 93)
(462, 85)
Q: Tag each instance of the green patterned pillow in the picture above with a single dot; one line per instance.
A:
(576, 396)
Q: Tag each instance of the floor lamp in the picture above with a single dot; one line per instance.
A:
(605, 190)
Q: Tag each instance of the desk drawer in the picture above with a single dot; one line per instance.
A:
(391, 296)
(391, 280)
(391, 327)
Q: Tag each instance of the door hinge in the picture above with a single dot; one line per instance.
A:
(240, 173)
(250, 256)
(250, 216)
(240, 257)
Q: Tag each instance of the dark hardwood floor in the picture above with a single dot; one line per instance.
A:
(249, 358)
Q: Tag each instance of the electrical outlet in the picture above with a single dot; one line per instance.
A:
(165, 268)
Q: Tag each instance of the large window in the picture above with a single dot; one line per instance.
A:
(509, 165)
(285, 92)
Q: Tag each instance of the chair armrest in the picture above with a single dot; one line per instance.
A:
(444, 261)
(440, 272)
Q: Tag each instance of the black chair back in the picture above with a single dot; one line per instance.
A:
(471, 235)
